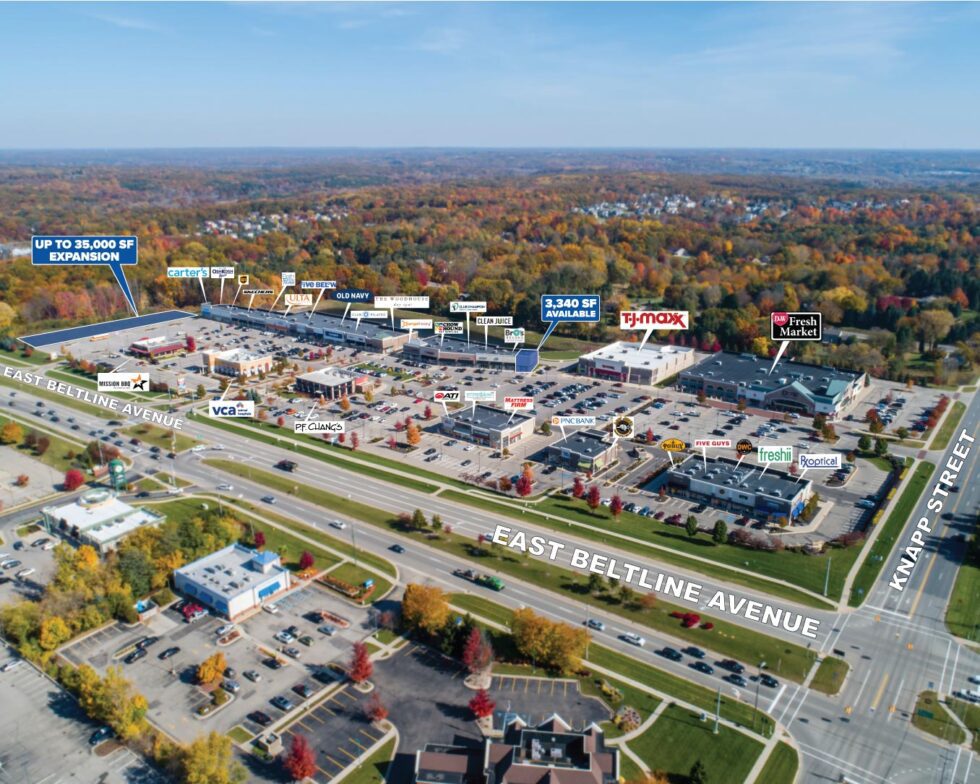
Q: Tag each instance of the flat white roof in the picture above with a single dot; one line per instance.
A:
(101, 516)
(236, 355)
(329, 376)
(232, 570)
(154, 341)
(103, 533)
(630, 354)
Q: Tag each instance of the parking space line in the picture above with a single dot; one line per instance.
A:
(313, 715)
(304, 726)
(367, 734)
(347, 753)
(362, 748)
(333, 761)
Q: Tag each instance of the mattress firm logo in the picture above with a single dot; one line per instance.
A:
(796, 326)
(124, 382)
(231, 408)
(775, 454)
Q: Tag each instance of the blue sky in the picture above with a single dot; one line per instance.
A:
(490, 75)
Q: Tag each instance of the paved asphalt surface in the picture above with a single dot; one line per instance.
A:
(897, 643)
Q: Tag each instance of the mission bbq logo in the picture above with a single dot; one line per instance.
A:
(124, 382)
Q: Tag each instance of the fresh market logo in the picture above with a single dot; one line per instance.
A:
(123, 382)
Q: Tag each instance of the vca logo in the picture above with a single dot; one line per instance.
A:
(231, 408)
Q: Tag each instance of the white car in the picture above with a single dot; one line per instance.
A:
(11, 665)
(49, 545)
(218, 447)
(25, 573)
(198, 448)
(228, 628)
(285, 637)
(225, 487)
(634, 639)
(974, 679)
(272, 609)
(338, 524)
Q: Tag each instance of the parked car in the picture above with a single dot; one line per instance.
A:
(135, 656)
(228, 628)
(231, 686)
(294, 653)
(327, 629)
(270, 608)
(169, 653)
(101, 734)
(273, 663)
(303, 690)
(260, 718)
(282, 703)
(253, 675)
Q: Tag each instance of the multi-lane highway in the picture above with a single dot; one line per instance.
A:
(897, 644)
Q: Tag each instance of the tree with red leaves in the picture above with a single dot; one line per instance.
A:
(375, 710)
(73, 479)
(481, 704)
(594, 497)
(281, 421)
(477, 652)
(306, 560)
(616, 506)
(578, 488)
(361, 666)
(259, 539)
(392, 442)
(300, 762)
(650, 437)
(523, 487)
(354, 442)
(191, 343)
(428, 412)
(341, 438)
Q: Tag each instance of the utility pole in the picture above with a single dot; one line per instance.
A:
(826, 579)
(717, 712)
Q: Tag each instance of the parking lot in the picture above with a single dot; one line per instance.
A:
(25, 566)
(169, 684)
(44, 737)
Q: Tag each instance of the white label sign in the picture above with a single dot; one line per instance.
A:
(717, 443)
(298, 300)
(494, 321)
(448, 327)
(514, 335)
(369, 314)
(288, 279)
(316, 426)
(413, 324)
(222, 273)
(573, 421)
(446, 396)
(458, 306)
(479, 395)
(401, 302)
(318, 284)
(231, 408)
(518, 403)
(124, 382)
(809, 460)
(653, 319)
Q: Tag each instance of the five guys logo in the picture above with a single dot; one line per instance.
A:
(656, 319)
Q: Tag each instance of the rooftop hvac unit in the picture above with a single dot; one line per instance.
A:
(783, 380)
(777, 493)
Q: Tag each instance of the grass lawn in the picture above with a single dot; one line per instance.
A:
(893, 526)
(830, 675)
(702, 697)
(385, 636)
(945, 433)
(374, 769)
(939, 724)
(629, 770)
(781, 766)
(678, 739)
(807, 571)
(154, 435)
(969, 714)
(239, 734)
(18, 358)
(317, 535)
(56, 455)
(482, 607)
(786, 659)
(355, 575)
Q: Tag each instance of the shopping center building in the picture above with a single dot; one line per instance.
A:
(649, 365)
(488, 425)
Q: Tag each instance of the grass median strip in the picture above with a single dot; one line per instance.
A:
(945, 433)
(830, 675)
(889, 534)
(787, 659)
(374, 769)
(794, 567)
(932, 717)
(160, 437)
(969, 714)
(963, 610)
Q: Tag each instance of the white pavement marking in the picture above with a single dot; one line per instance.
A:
(775, 699)
(942, 675)
(861, 775)
(857, 699)
(952, 675)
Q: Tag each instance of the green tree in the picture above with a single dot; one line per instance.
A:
(881, 447)
(698, 774)
(691, 526)
(720, 534)
(864, 443)
(418, 521)
(595, 583)
(136, 570)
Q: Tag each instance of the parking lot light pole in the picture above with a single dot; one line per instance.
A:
(826, 579)
(353, 539)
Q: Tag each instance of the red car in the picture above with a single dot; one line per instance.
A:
(192, 611)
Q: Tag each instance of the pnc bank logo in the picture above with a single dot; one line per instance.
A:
(231, 408)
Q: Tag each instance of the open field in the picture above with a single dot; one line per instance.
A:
(792, 661)
(355, 575)
(969, 714)
(932, 717)
(952, 421)
(781, 767)
(678, 739)
(963, 610)
(56, 455)
(830, 675)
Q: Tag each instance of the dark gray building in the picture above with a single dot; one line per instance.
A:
(488, 425)
(585, 450)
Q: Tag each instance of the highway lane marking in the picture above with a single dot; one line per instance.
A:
(956, 763)
(830, 632)
(792, 718)
(942, 675)
(861, 690)
(952, 675)
(789, 703)
(881, 690)
(925, 580)
(892, 705)
(969, 764)
(775, 699)
(827, 758)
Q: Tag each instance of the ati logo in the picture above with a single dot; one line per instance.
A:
(446, 396)
(780, 319)
(623, 427)
(653, 319)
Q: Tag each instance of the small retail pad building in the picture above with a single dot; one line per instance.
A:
(586, 450)
(330, 383)
(742, 489)
(237, 362)
(232, 581)
(488, 425)
(98, 518)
